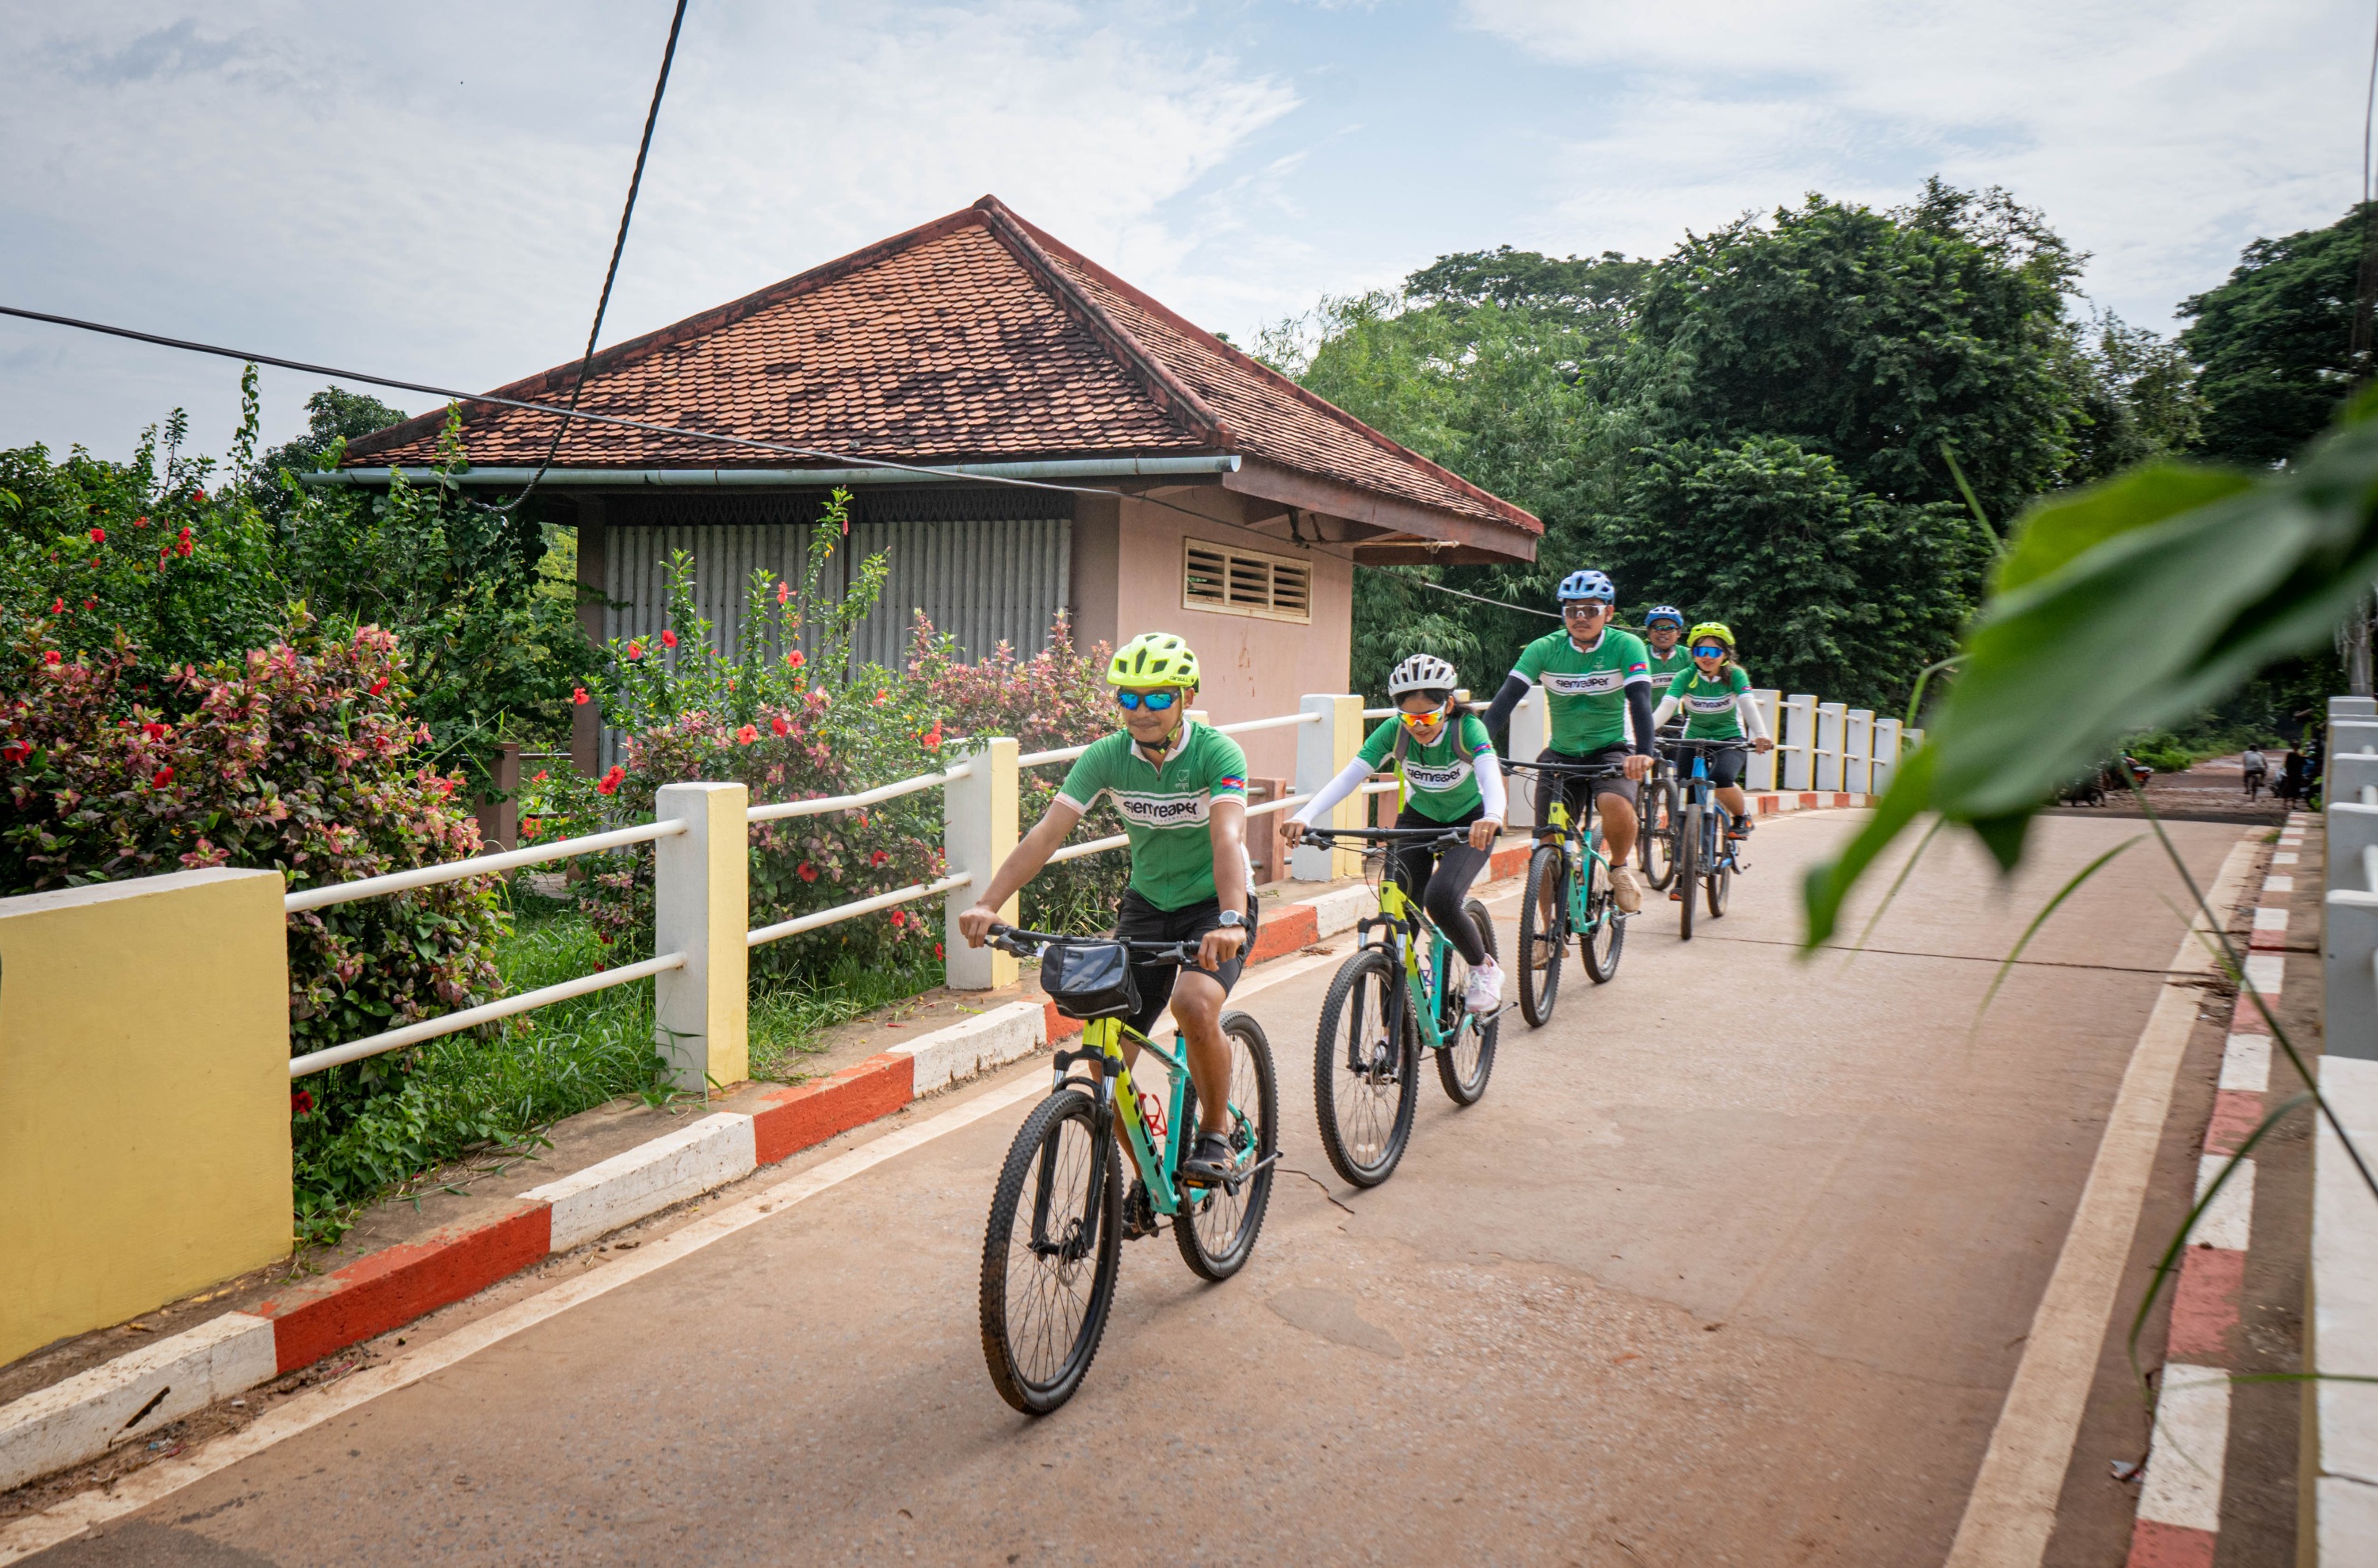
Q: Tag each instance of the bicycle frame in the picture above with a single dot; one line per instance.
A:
(1715, 849)
(1589, 841)
(1119, 1100)
(1403, 921)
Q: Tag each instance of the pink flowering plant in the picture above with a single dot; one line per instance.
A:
(792, 717)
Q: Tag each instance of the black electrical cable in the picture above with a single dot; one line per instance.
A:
(611, 272)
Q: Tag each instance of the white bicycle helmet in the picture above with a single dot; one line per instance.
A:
(1422, 672)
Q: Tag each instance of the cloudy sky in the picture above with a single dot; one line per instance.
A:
(429, 191)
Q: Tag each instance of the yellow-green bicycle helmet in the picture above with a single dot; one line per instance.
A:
(1718, 629)
(1153, 658)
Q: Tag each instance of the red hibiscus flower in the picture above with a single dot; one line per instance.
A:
(878, 857)
(50, 656)
(57, 607)
(796, 658)
(163, 776)
(379, 685)
(152, 731)
(540, 777)
(747, 736)
(99, 536)
(578, 695)
(807, 871)
(933, 737)
(609, 783)
(635, 650)
(899, 919)
(669, 638)
(779, 725)
(16, 751)
(140, 522)
(937, 950)
(784, 592)
(91, 603)
(300, 1103)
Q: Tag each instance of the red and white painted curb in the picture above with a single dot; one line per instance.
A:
(85, 1416)
(2179, 1520)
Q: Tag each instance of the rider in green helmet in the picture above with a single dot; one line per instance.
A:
(1182, 789)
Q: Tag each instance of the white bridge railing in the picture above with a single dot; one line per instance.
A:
(700, 832)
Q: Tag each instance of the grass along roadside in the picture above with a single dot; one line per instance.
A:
(482, 1098)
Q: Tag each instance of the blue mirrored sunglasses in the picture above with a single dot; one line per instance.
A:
(1709, 650)
(1155, 702)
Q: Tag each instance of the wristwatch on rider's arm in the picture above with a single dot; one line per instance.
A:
(1232, 918)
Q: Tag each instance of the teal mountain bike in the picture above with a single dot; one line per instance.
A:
(1067, 1201)
(1569, 876)
(1703, 852)
(1398, 998)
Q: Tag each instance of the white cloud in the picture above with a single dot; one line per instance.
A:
(432, 192)
(2156, 137)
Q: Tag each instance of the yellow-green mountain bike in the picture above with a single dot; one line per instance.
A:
(1399, 997)
(1065, 1201)
(1570, 876)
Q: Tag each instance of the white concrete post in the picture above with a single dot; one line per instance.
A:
(1825, 756)
(1886, 754)
(2349, 830)
(1760, 777)
(1800, 742)
(1857, 751)
(1532, 731)
(979, 830)
(2353, 707)
(702, 908)
(1321, 751)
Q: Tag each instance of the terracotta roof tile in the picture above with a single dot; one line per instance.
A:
(976, 337)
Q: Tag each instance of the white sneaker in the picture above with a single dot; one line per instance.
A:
(1626, 890)
(1484, 992)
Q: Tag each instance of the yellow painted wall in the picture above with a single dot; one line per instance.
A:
(144, 1096)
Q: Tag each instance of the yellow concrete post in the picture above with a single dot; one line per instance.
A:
(979, 830)
(702, 907)
(1323, 749)
(144, 1096)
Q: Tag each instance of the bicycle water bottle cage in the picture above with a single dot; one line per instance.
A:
(1090, 979)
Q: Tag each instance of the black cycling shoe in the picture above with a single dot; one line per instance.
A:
(1738, 828)
(1209, 1161)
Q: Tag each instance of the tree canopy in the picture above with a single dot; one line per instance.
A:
(1751, 427)
(2275, 343)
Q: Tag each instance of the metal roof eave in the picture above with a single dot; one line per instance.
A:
(1054, 470)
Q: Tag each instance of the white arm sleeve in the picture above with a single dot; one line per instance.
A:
(1491, 801)
(1349, 778)
(1754, 722)
(1665, 712)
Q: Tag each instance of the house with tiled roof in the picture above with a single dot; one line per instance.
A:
(1177, 484)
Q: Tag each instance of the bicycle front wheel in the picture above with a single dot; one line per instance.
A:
(1362, 1062)
(1464, 1065)
(1606, 928)
(1656, 849)
(1689, 869)
(1049, 1256)
(1543, 941)
(1216, 1225)
(1719, 883)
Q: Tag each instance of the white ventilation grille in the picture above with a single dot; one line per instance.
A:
(1238, 582)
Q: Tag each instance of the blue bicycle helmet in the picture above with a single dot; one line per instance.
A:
(1660, 612)
(1588, 585)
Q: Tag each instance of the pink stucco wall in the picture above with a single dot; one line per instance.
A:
(1126, 579)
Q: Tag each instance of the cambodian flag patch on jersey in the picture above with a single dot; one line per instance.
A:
(1640, 666)
(1231, 781)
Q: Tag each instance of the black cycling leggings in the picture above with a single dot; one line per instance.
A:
(1440, 883)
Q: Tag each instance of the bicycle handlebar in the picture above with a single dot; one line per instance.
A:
(1029, 943)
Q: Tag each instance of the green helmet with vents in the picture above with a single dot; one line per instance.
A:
(1717, 629)
(1153, 658)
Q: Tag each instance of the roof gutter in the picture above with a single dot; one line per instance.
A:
(1054, 470)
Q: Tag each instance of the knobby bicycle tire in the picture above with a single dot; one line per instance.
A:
(1547, 875)
(1719, 884)
(1366, 989)
(1659, 830)
(1036, 1177)
(1233, 1218)
(1688, 868)
(1464, 1067)
(1605, 934)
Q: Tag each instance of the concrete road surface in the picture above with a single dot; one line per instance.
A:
(1733, 1265)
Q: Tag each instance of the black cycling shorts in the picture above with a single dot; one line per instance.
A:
(1137, 919)
(1571, 789)
(1725, 765)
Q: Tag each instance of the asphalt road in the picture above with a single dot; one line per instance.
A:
(1733, 1264)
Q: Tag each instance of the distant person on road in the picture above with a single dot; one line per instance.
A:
(1451, 780)
(1597, 682)
(2290, 786)
(2257, 770)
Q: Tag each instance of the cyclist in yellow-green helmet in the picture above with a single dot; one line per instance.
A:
(1181, 789)
(1714, 697)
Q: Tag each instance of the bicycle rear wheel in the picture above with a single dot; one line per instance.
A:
(1605, 931)
(1464, 1065)
(1543, 943)
(1689, 867)
(1217, 1226)
(1049, 1256)
(1656, 849)
(1363, 1059)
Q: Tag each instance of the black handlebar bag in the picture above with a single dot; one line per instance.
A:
(1090, 979)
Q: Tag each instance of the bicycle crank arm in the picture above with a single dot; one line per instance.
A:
(1232, 1184)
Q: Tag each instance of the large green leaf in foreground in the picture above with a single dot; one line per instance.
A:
(2122, 608)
